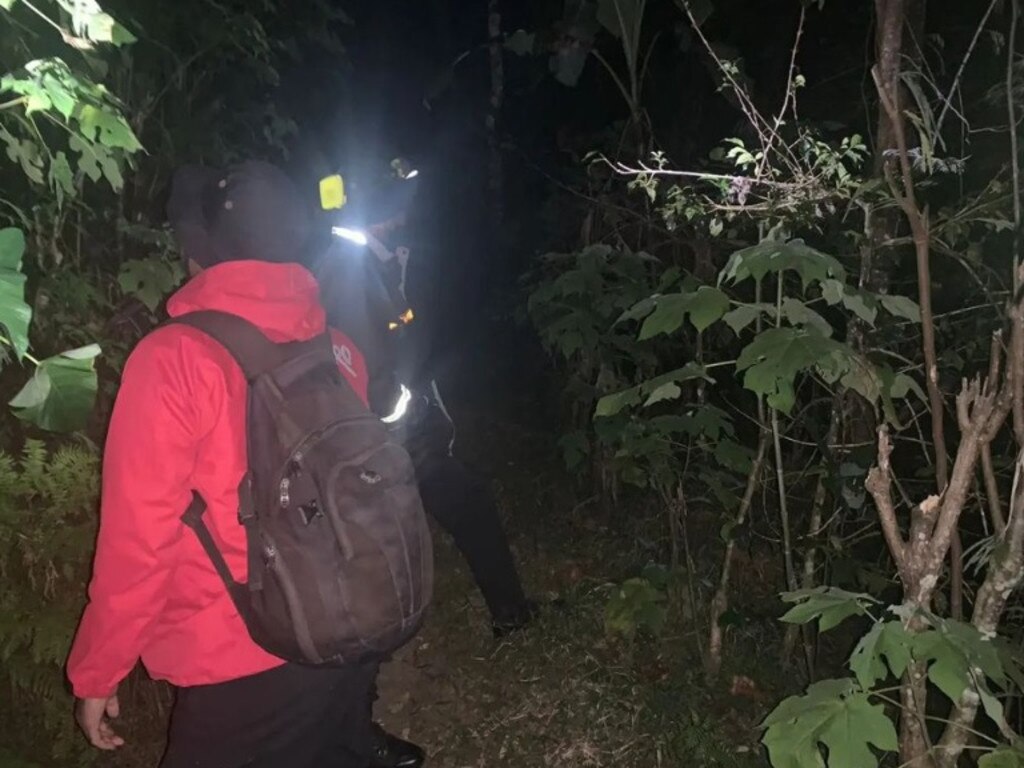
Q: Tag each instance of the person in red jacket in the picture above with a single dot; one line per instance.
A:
(178, 425)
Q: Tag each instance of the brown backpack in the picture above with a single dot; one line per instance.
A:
(339, 553)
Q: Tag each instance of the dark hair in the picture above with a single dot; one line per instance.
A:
(250, 211)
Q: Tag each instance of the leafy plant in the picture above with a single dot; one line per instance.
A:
(60, 394)
(848, 715)
(47, 526)
(638, 605)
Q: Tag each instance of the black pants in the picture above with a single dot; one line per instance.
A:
(288, 717)
(464, 506)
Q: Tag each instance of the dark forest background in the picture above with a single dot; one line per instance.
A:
(727, 292)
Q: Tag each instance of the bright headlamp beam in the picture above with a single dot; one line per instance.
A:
(352, 235)
(400, 407)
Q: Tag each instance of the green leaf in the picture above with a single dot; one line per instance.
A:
(610, 405)
(885, 648)
(520, 42)
(741, 317)
(704, 307)
(88, 157)
(640, 310)
(620, 17)
(858, 374)
(567, 64)
(829, 605)
(863, 304)
(7, 4)
(60, 395)
(952, 651)
(25, 153)
(833, 714)
(798, 313)
(15, 314)
(669, 312)
(832, 291)
(776, 256)
(106, 126)
(669, 391)
(734, 456)
(774, 358)
(903, 385)
(62, 180)
(635, 605)
(1003, 757)
(901, 306)
(149, 280)
(708, 305)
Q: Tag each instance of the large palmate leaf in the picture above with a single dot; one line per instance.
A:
(664, 387)
(828, 605)
(704, 306)
(149, 280)
(15, 314)
(60, 395)
(774, 358)
(863, 304)
(954, 651)
(1004, 757)
(777, 256)
(885, 648)
(834, 714)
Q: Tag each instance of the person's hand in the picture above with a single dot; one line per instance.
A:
(92, 716)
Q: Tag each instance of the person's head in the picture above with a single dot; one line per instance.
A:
(248, 212)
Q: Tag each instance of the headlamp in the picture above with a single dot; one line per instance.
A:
(352, 235)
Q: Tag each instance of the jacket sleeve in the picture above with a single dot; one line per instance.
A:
(169, 391)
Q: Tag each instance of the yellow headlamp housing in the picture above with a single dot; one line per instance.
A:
(332, 193)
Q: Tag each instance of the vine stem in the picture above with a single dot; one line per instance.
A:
(44, 17)
(13, 103)
(780, 479)
(26, 355)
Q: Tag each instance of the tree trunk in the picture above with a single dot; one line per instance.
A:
(495, 171)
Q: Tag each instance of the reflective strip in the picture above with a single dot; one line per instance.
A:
(400, 407)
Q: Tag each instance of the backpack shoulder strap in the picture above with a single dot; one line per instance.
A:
(252, 350)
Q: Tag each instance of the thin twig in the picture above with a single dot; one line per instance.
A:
(1011, 110)
(963, 65)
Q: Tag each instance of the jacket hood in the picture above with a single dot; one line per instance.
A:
(282, 300)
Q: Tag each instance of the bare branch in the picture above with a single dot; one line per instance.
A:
(646, 170)
(963, 65)
(995, 505)
(790, 91)
(1003, 576)
(1016, 366)
(974, 408)
(879, 485)
(1011, 109)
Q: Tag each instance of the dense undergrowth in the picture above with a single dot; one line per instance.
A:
(788, 357)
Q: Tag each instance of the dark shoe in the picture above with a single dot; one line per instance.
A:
(520, 617)
(389, 751)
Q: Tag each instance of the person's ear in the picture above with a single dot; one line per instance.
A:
(194, 268)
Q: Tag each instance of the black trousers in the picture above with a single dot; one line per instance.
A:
(288, 717)
(464, 506)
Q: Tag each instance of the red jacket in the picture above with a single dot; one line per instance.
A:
(179, 425)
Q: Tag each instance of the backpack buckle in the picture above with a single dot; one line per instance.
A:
(246, 507)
